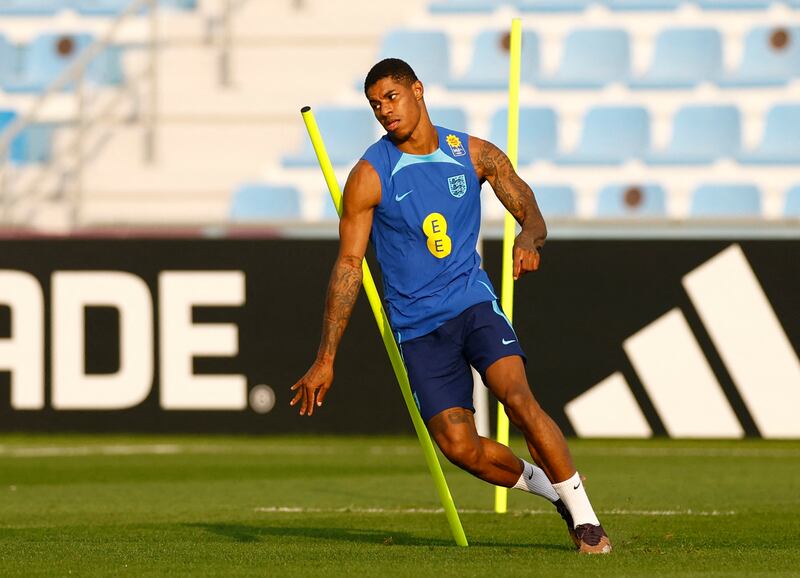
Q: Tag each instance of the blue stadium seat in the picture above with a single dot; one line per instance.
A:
(771, 58)
(464, 6)
(32, 145)
(639, 5)
(619, 201)
(427, 51)
(701, 135)
(781, 141)
(734, 4)
(538, 133)
(731, 200)
(552, 5)
(449, 117)
(792, 206)
(348, 132)
(610, 136)
(328, 209)
(50, 54)
(683, 58)
(259, 201)
(592, 58)
(489, 67)
(114, 7)
(555, 200)
(30, 7)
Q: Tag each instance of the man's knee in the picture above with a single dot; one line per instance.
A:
(520, 405)
(466, 453)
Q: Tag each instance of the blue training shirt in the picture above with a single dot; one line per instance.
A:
(425, 231)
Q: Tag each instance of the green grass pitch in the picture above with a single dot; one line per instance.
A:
(343, 506)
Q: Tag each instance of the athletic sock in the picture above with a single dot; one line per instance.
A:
(534, 481)
(574, 495)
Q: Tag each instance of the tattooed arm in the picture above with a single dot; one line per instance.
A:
(361, 195)
(492, 165)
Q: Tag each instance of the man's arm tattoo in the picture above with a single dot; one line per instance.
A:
(342, 293)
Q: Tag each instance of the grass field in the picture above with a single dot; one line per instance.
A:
(237, 506)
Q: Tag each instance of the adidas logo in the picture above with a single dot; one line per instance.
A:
(677, 377)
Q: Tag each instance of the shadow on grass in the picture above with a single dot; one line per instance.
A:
(257, 533)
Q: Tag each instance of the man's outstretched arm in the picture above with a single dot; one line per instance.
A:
(361, 195)
(491, 164)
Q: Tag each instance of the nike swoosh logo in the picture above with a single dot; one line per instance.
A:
(531, 476)
(507, 341)
(403, 196)
(578, 486)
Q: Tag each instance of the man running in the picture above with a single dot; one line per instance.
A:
(416, 194)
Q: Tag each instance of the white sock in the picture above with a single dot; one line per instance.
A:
(534, 481)
(573, 494)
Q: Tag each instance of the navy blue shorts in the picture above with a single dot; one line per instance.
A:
(438, 363)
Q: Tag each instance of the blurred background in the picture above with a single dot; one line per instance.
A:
(159, 146)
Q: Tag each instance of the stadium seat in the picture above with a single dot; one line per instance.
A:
(734, 4)
(427, 51)
(683, 58)
(114, 7)
(348, 132)
(611, 135)
(538, 133)
(733, 200)
(258, 201)
(620, 5)
(552, 5)
(700, 135)
(8, 59)
(618, 201)
(50, 54)
(792, 206)
(489, 67)
(449, 117)
(464, 6)
(32, 145)
(555, 201)
(30, 7)
(771, 58)
(592, 58)
(781, 141)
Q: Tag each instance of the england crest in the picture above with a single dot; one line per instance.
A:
(458, 185)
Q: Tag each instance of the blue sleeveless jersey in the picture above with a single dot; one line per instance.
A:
(425, 231)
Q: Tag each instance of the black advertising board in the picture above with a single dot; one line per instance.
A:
(184, 335)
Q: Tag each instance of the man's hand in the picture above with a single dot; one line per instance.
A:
(313, 386)
(526, 254)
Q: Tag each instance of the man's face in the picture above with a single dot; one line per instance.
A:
(396, 105)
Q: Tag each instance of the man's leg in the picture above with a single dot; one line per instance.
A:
(507, 380)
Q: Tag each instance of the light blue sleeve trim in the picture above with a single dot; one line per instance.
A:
(489, 289)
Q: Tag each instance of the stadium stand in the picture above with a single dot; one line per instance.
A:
(701, 135)
(556, 200)
(611, 135)
(465, 6)
(50, 54)
(683, 59)
(639, 5)
(538, 133)
(616, 201)
(771, 58)
(592, 58)
(427, 51)
(489, 66)
(734, 4)
(449, 117)
(791, 207)
(781, 142)
(259, 201)
(552, 5)
(726, 200)
(30, 7)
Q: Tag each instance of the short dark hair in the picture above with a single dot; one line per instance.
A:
(398, 69)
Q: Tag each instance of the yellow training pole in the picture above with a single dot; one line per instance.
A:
(510, 229)
(388, 340)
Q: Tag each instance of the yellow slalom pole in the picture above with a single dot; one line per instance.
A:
(510, 228)
(388, 340)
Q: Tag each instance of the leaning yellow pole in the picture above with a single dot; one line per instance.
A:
(510, 229)
(388, 340)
